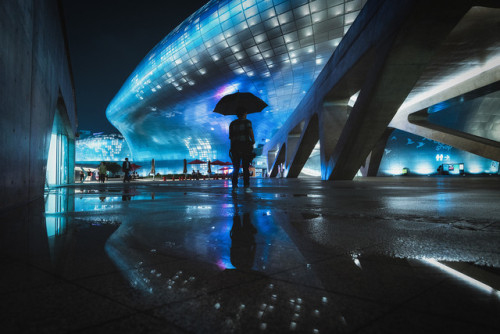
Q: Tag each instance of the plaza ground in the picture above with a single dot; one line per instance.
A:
(385, 255)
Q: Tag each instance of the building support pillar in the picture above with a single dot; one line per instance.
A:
(308, 140)
(372, 164)
(398, 64)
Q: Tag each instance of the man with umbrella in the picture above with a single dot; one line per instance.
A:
(242, 140)
(240, 131)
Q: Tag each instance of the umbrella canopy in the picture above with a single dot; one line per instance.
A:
(230, 104)
(227, 163)
(217, 163)
(197, 162)
(185, 169)
(134, 167)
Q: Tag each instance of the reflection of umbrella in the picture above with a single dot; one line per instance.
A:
(209, 170)
(134, 167)
(230, 104)
(185, 169)
(197, 162)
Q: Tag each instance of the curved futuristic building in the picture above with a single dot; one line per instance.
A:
(274, 49)
(101, 147)
(376, 87)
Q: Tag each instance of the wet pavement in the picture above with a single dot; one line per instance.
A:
(375, 255)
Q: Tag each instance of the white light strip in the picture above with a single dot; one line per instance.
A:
(475, 283)
(353, 99)
(491, 64)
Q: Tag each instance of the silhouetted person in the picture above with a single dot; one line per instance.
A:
(82, 176)
(242, 140)
(242, 252)
(126, 169)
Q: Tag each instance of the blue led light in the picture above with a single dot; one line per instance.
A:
(101, 147)
(273, 49)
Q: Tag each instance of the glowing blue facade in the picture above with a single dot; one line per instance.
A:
(274, 49)
(101, 147)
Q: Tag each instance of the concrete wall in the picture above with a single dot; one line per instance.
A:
(35, 75)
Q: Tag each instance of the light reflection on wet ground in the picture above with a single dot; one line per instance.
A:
(294, 256)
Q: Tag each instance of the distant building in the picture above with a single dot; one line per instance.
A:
(101, 147)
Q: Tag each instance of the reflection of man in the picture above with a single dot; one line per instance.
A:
(126, 196)
(242, 242)
(126, 169)
(242, 140)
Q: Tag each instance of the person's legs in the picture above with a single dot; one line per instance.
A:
(246, 170)
(236, 158)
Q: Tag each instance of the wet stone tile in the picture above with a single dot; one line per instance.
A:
(271, 306)
(56, 309)
(376, 278)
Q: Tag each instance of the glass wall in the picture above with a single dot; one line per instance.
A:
(60, 161)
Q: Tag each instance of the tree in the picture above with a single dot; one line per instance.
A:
(112, 167)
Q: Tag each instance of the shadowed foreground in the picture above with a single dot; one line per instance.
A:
(371, 255)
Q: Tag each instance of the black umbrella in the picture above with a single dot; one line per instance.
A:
(230, 104)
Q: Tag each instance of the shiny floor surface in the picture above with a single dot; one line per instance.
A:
(384, 255)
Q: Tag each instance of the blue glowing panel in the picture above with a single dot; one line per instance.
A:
(101, 147)
(424, 156)
(274, 49)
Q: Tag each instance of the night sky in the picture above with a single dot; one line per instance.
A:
(107, 40)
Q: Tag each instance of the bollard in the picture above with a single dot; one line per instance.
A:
(164, 178)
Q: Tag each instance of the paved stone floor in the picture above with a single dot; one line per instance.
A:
(375, 255)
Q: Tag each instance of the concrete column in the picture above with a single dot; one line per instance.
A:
(400, 60)
(332, 119)
(372, 164)
(306, 144)
(280, 158)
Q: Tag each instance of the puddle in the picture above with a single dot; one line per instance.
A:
(309, 215)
